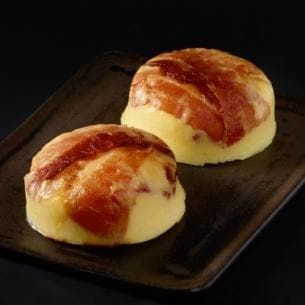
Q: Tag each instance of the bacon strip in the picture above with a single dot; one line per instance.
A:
(88, 147)
(222, 104)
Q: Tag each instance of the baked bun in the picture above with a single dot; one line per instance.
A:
(207, 105)
(104, 185)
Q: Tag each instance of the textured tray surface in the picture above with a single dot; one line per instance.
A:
(226, 204)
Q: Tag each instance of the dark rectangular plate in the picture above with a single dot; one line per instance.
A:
(227, 204)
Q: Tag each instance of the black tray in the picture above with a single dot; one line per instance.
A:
(227, 205)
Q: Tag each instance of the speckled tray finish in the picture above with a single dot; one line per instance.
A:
(227, 205)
